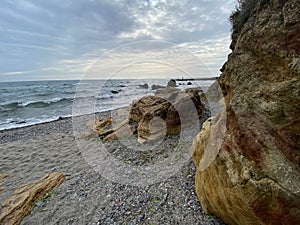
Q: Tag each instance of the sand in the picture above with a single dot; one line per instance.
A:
(90, 196)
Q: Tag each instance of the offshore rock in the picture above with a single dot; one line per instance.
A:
(144, 86)
(250, 173)
(172, 83)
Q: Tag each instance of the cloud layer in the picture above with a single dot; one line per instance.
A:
(62, 39)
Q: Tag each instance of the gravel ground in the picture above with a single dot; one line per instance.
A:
(89, 196)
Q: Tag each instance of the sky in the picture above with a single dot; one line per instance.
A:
(100, 39)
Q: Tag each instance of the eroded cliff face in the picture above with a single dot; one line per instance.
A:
(255, 176)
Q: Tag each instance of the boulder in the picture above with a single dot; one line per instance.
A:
(248, 157)
(167, 112)
(172, 83)
(154, 117)
(144, 86)
(20, 204)
(156, 86)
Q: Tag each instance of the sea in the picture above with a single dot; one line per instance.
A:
(32, 102)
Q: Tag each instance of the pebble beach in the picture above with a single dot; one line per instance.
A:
(87, 197)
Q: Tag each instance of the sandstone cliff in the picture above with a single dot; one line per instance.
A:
(254, 177)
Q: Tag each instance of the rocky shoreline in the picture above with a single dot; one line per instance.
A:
(86, 197)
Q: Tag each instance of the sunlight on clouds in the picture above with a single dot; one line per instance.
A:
(149, 59)
(16, 73)
(54, 39)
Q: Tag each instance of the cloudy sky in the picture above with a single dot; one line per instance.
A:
(72, 39)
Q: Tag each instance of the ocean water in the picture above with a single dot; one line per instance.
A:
(33, 102)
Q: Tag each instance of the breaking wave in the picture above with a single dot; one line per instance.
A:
(34, 104)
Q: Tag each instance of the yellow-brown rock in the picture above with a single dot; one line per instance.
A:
(20, 204)
(122, 130)
(167, 112)
(100, 125)
(255, 175)
(154, 117)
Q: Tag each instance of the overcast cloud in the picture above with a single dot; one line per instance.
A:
(62, 39)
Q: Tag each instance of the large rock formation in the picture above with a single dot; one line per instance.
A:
(248, 157)
(167, 112)
(153, 117)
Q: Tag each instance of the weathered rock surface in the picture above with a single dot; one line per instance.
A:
(97, 127)
(15, 208)
(154, 117)
(255, 175)
(167, 112)
(101, 124)
(122, 130)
